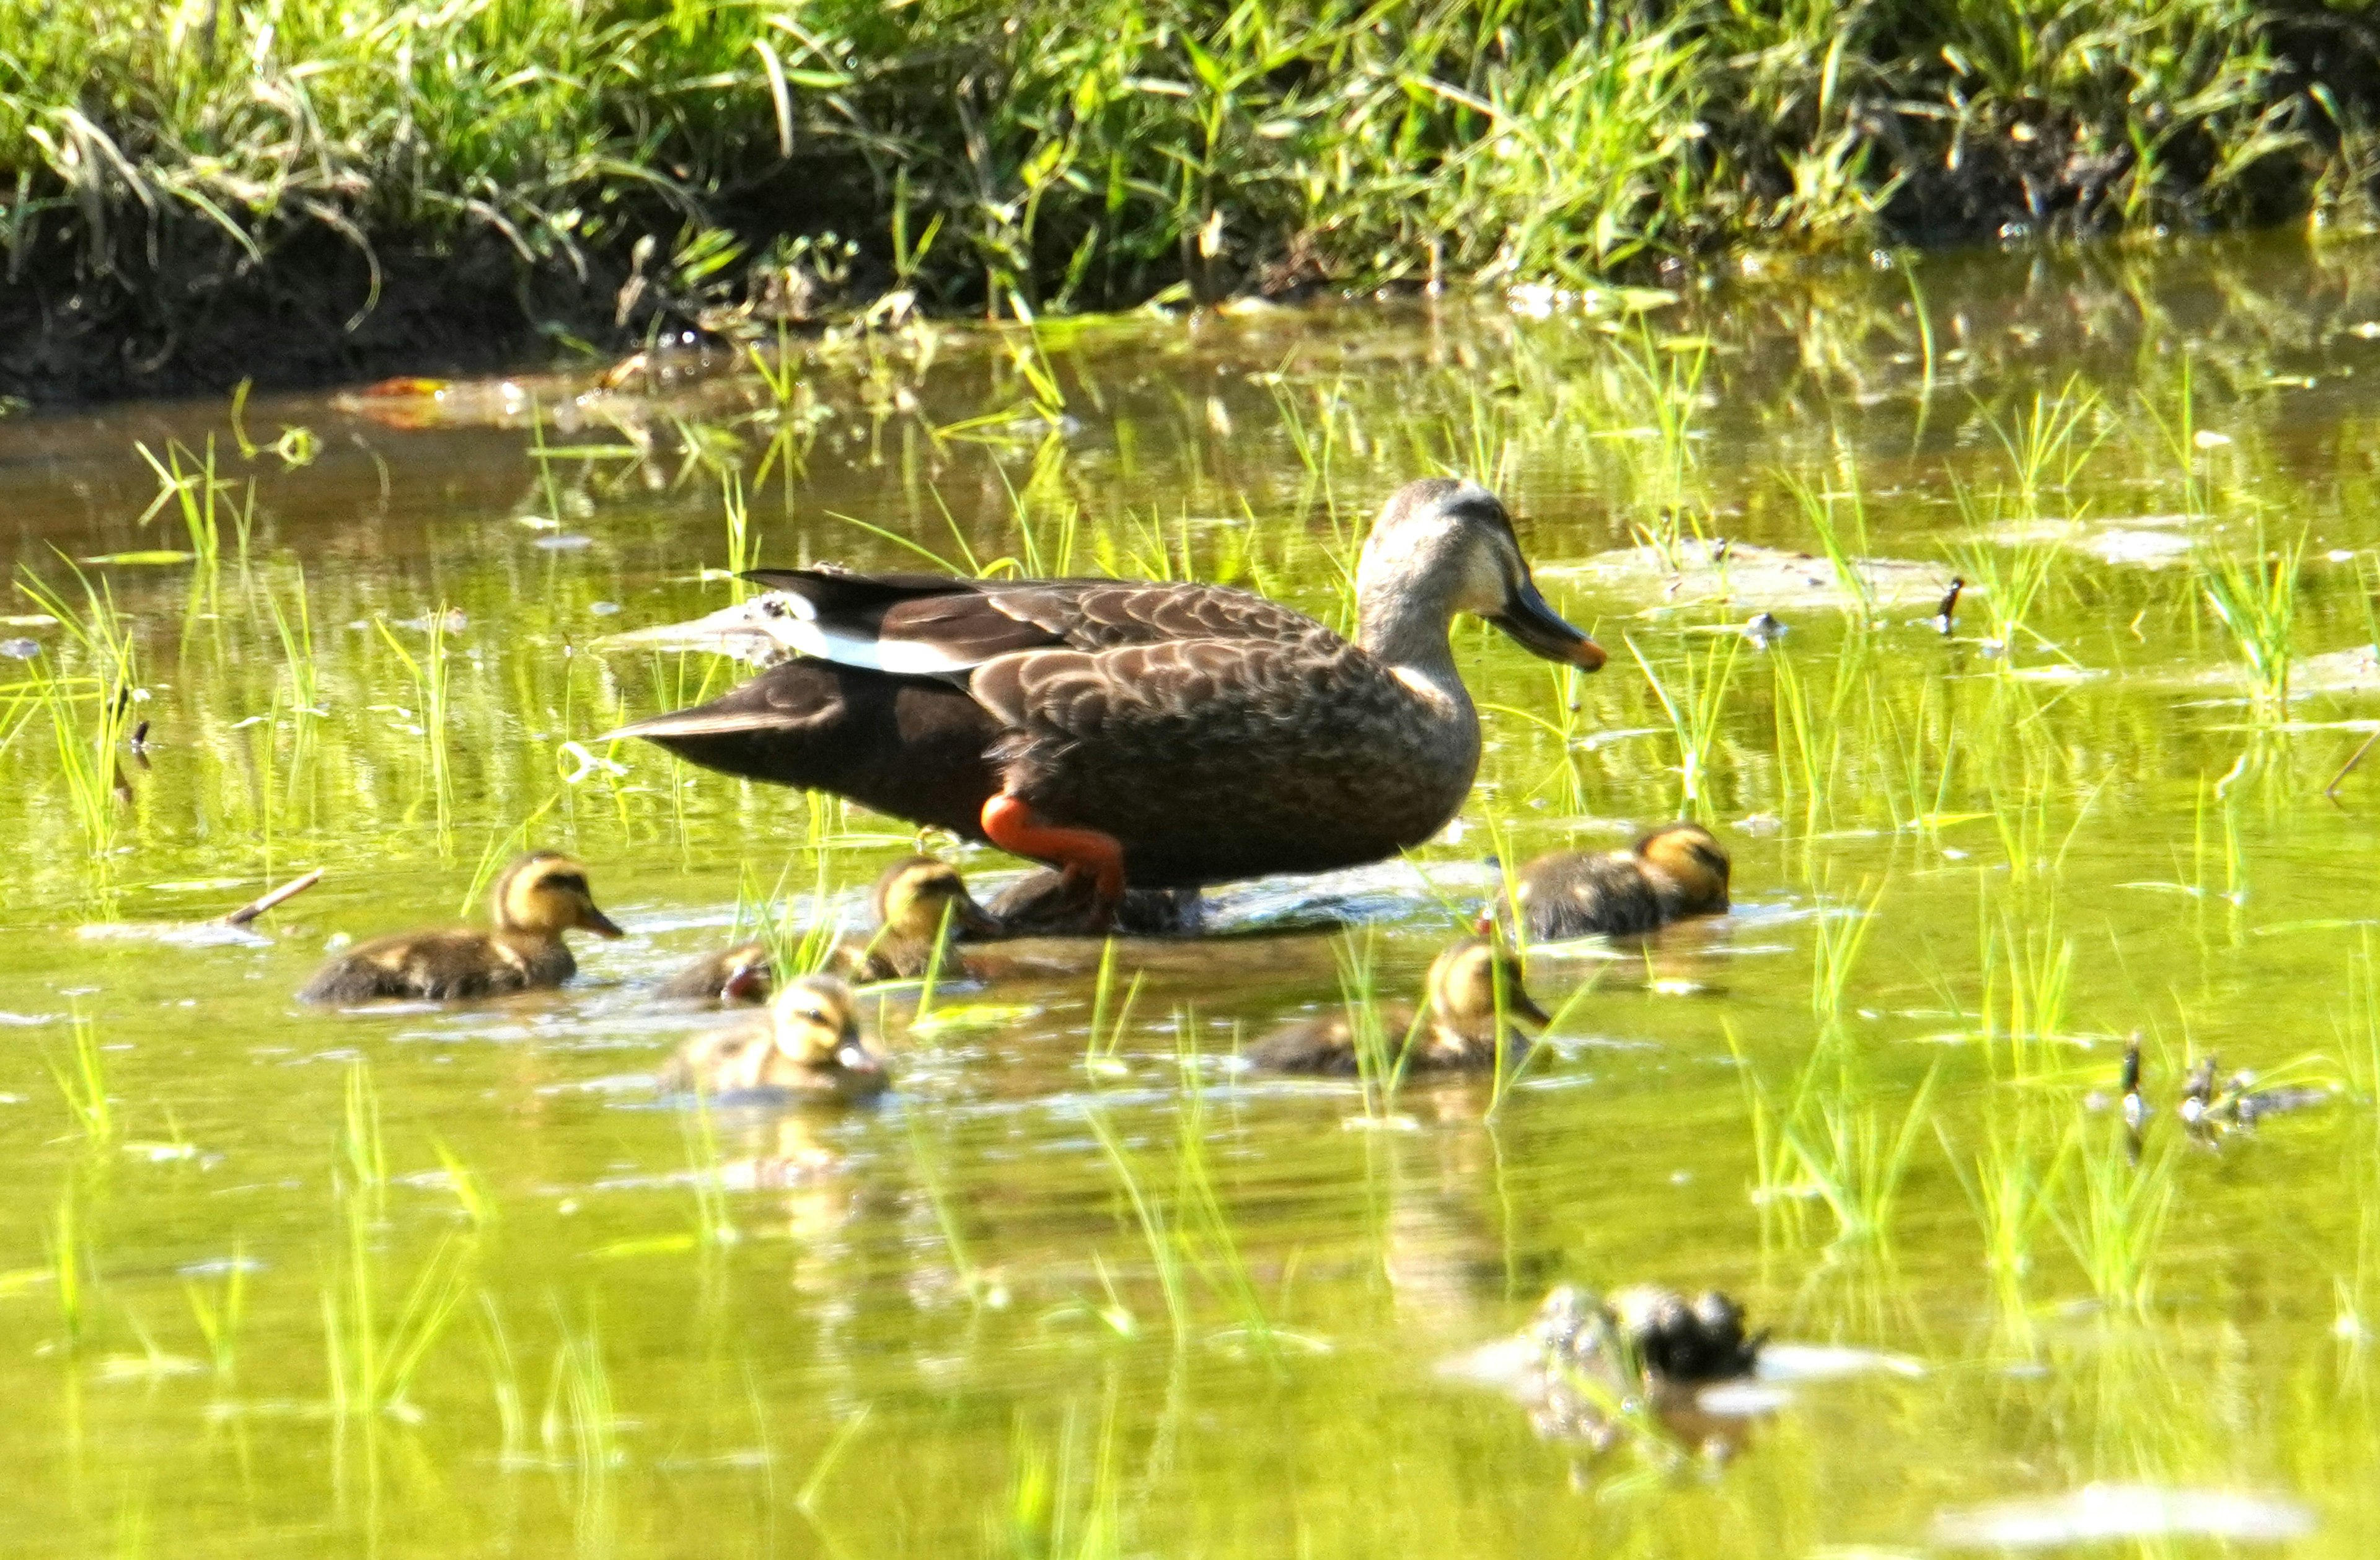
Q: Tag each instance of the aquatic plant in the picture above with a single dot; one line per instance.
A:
(2255, 594)
(84, 1081)
(2113, 1214)
(1837, 518)
(1693, 708)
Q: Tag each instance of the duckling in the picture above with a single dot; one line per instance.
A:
(808, 1044)
(1044, 904)
(1459, 1036)
(918, 901)
(539, 897)
(1678, 869)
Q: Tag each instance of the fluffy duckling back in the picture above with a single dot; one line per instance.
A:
(1679, 869)
(808, 1044)
(1044, 904)
(920, 901)
(539, 897)
(1468, 986)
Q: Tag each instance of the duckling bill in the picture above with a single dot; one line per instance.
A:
(536, 899)
(921, 905)
(1469, 987)
(1677, 871)
(808, 1046)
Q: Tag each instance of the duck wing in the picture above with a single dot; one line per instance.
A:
(1210, 759)
(917, 624)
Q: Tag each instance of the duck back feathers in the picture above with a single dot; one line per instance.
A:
(442, 967)
(1576, 894)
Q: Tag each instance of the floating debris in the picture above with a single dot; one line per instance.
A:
(21, 649)
(2208, 1110)
(1700, 573)
(2104, 1512)
(1587, 1362)
(1945, 616)
(1763, 628)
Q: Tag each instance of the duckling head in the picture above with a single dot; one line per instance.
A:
(919, 898)
(1472, 981)
(545, 893)
(814, 1023)
(1442, 547)
(1692, 859)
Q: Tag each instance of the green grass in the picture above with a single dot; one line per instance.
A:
(1033, 160)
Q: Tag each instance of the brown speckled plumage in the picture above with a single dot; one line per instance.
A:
(1676, 870)
(536, 899)
(1457, 1032)
(1214, 734)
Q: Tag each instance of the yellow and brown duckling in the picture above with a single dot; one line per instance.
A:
(1469, 986)
(1679, 869)
(919, 902)
(808, 1044)
(539, 897)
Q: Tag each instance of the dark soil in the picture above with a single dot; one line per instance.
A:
(195, 318)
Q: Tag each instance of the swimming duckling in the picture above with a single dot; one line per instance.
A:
(1044, 904)
(1678, 869)
(917, 901)
(808, 1044)
(1459, 1035)
(536, 899)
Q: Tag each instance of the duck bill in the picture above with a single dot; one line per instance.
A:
(593, 919)
(1536, 628)
(741, 631)
(1518, 1004)
(971, 919)
(860, 1067)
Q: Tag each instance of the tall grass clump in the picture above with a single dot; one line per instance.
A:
(644, 161)
(92, 712)
(2254, 595)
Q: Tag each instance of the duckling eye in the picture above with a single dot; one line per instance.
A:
(566, 883)
(813, 1016)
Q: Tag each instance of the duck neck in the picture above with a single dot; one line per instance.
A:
(1407, 630)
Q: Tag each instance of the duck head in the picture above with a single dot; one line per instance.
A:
(1474, 979)
(814, 1024)
(1692, 859)
(1443, 546)
(919, 898)
(544, 893)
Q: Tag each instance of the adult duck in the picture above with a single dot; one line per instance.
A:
(1159, 734)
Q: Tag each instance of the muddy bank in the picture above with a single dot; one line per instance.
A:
(197, 321)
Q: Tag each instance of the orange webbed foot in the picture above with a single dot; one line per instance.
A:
(1082, 855)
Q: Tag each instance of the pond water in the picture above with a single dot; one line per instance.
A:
(423, 1281)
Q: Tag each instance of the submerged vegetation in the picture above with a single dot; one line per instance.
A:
(449, 179)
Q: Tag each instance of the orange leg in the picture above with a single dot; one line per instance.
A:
(1010, 823)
